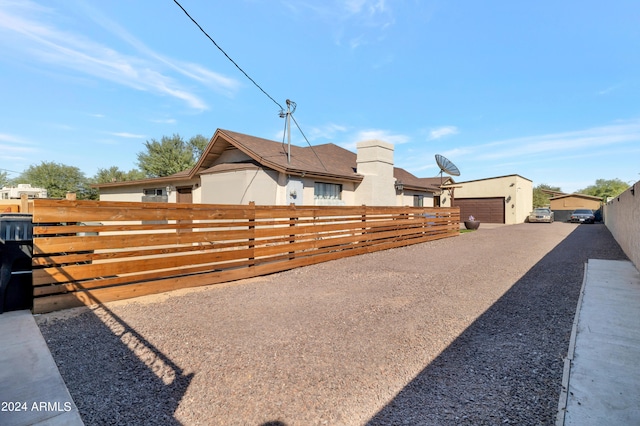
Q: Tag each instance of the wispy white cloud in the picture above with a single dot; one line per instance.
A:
(15, 150)
(609, 89)
(196, 72)
(373, 134)
(383, 135)
(353, 23)
(456, 152)
(595, 138)
(441, 132)
(354, 6)
(31, 31)
(12, 159)
(62, 126)
(127, 135)
(356, 42)
(4, 137)
(165, 121)
(558, 152)
(323, 134)
(13, 143)
(364, 7)
(327, 132)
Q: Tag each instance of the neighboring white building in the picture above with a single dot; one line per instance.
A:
(14, 193)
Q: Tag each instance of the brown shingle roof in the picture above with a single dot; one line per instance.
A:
(325, 160)
(412, 182)
(183, 175)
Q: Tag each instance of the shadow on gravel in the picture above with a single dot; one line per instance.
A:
(127, 362)
(534, 315)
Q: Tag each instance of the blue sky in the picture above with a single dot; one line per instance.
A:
(547, 90)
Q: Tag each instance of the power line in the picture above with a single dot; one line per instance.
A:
(308, 143)
(10, 171)
(225, 54)
(284, 134)
(282, 114)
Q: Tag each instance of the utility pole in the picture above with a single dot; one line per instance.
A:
(287, 116)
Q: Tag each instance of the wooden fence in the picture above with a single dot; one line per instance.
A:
(88, 252)
(22, 205)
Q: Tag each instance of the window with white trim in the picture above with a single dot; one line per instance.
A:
(327, 191)
(154, 195)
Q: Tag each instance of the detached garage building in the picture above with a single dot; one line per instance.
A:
(563, 205)
(504, 199)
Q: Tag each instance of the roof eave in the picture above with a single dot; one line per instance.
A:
(315, 174)
(419, 188)
(140, 181)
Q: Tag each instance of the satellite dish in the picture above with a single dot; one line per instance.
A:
(446, 166)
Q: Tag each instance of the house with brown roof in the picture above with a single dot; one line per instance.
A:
(236, 168)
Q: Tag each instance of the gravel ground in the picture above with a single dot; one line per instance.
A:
(467, 330)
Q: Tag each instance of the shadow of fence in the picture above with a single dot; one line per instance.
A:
(113, 373)
(464, 384)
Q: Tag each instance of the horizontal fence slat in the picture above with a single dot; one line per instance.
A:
(123, 240)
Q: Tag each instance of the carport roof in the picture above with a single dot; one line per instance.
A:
(585, 196)
(496, 177)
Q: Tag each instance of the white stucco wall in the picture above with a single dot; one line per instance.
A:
(241, 187)
(196, 193)
(347, 196)
(405, 198)
(622, 218)
(375, 163)
(523, 199)
(134, 193)
(125, 193)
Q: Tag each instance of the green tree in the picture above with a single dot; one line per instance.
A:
(165, 157)
(198, 144)
(58, 179)
(114, 174)
(541, 198)
(605, 188)
(4, 179)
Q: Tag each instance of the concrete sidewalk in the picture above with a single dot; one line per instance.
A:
(601, 384)
(32, 391)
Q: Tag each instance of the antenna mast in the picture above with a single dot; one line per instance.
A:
(287, 116)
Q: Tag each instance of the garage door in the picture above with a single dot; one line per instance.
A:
(488, 210)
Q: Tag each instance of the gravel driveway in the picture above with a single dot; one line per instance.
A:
(467, 330)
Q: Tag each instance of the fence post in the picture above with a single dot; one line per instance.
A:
(24, 203)
(364, 223)
(252, 232)
(292, 237)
